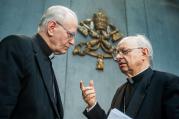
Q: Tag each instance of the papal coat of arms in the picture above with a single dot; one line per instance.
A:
(103, 38)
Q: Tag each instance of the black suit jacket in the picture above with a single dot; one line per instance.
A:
(157, 98)
(25, 90)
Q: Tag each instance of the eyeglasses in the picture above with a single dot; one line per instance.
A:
(70, 34)
(123, 52)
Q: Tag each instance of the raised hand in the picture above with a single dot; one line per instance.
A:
(88, 93)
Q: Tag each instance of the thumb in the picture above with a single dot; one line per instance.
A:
(91, 83)
(81, 85)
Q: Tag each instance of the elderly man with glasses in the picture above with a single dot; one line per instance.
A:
(28, 86)
(147, 94)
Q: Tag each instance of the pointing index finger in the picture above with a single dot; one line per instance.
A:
(81, 85)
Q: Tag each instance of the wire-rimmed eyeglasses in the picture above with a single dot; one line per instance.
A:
(122, 52)
(70, 34)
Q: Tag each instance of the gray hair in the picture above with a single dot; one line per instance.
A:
(58, 13)
(143, 42)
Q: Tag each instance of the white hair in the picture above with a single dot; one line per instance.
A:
(143, 42)
(58, 13)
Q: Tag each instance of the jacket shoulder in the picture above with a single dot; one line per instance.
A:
(16, 42)
(15, 39)
(165, 75)
(166, 78)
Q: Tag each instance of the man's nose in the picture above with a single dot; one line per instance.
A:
(72, 41)
(119, 56)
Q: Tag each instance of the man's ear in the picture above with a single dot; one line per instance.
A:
(51, 27)
(145, 52)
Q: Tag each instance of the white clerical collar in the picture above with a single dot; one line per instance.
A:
(51, 56)
(130, 80)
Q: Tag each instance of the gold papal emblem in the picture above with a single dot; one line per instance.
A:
(103, 38)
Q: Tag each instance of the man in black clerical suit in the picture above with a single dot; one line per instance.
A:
(28, 87)
(147, 94)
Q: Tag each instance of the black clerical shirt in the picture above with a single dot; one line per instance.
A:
(131, 86)
(48, 55)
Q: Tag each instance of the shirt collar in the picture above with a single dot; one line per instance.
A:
(44, 47)
(51, 56)
(138, 77)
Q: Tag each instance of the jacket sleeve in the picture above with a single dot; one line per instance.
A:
(10, 75)
(171, 98)
(96, 113)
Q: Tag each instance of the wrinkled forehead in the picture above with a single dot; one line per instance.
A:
(70, 20)
(71, 24)
(127, 42)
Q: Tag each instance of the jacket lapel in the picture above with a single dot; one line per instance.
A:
(45, 72)
(59, 102)
(139, 95)
(118, 97)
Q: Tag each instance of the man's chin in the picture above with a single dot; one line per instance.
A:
(60, 53)
(123, 70)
